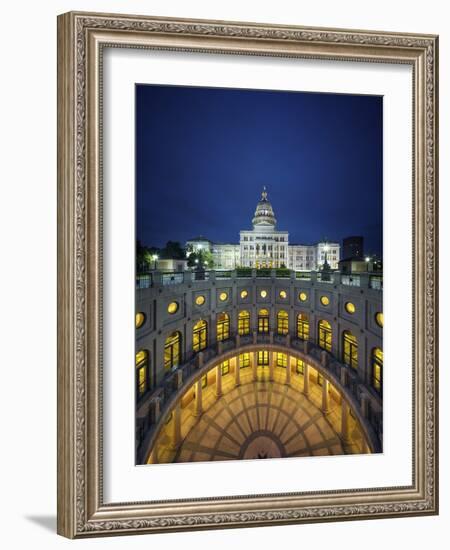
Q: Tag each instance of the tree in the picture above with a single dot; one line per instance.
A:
(144, 256)
(199, 258)
(173, 250)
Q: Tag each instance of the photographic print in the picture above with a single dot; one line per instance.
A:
(259, 274)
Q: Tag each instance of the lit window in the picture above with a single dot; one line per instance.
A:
(225, 367)
(244, 323)
(263, 358)
(200, 300)
(204, 381)
(172, 351)
(282, 322)
(319, 379)
(200, 335)
(303, 296)
(377, 369)
(283, 294)
(223, 327)
(223, 296)
(172, 307)
(282, 360)
(244, 294)
(244, 360)
(350, 308)
(325, 335)
(263, 293)
(142, 372)
(324, 300)
(302, 326)
(350, 349)
(379, 318)
(300, 367)
(263, 320)
(140, 319)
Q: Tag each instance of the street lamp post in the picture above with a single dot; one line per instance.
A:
(154, 258)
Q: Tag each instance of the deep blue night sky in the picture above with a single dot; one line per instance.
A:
(204, 154)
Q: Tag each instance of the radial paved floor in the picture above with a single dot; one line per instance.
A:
(259, 420)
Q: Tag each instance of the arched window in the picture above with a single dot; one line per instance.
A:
(244, 322)
(302, 326)
(200, 335)
(377, 369)
(172, 351)
(350, 349)
(282, 322)
(142, 372)
(325, 335)
(223, 327)
(263, 320)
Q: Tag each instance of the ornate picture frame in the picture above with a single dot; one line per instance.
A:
(82, 38)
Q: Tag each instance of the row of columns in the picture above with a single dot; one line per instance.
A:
(198, 402)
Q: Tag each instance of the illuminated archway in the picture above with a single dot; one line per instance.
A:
(172, 351)
(282, 322)
(325, 335)
(200, 335)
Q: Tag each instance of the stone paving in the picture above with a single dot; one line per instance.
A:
(259, 419)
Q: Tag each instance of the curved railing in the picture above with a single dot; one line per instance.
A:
(363, 400)
(156, 278)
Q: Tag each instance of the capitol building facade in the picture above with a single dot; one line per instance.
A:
(266, 247)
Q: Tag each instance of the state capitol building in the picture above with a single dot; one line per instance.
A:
(266, 247)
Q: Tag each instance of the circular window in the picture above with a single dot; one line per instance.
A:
(140, 319)
(223, 296)
(350, 308)
(172, 307)
(263, 293)
(379, 318)
(303, 296)
(244, 294)
(283, 294)
(200, 300)
(324, 300)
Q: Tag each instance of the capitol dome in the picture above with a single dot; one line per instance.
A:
(264, 215)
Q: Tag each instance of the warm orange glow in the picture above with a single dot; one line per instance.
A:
(282, 322)
(200, 300)
(141, 356)
(172, 351)
(140, 319)
(223, 296)
(172, 307)
(263, 293)
(379, 318)
(377, 369)
(350, 308)
(303, 296)
(350, 352)
(302, 326)
(223, 327)
(324, 300)
(283, 294)
(244, 322)
(200, 335)
(325, 335)
(244, 294)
